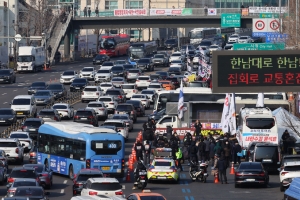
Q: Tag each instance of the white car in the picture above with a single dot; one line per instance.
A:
(106, 86)
(129, 89)
(99, 107)
(91, 93)
(68, 76)
(23, 138)
(88, 73)
(233, 38)
(13, 148)
(155, 86)
(103, 75)
(290, 170)
(125, 118)
(65, 110)
(215, 48)
(121, 126)
(229, 45)
(110, 187)
(244, 39)
(107, 65)
(178, 62)
(143, 98)
(110, 103)
(175, 56)
(143, 82)
(151, 94)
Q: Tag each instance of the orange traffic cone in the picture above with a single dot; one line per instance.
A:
(130, 163)
(216, 177)
(232, 169)
(134, 156)
(128, 175)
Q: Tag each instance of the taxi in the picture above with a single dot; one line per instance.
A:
(167, 85)
(163, 166)
(146, 193)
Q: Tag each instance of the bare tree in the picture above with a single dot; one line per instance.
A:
(290, 122)
(98, 32)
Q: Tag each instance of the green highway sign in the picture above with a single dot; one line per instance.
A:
(258, 46)
(268, 15)
(230, 20)
(187, 11)
(106, 13)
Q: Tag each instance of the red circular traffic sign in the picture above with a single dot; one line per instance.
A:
(274, 25)
(260, 25)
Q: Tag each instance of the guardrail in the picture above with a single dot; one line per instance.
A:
(72, 98)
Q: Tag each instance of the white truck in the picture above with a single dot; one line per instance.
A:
(3, 57)
(31, 59)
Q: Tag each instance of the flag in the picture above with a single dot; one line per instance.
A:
(232, 117)
(180, 102)
(225, 114)
(260, 100)
(187, 50)
(189, 68)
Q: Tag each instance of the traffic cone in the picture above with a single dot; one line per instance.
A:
(216, 177)
(128, 175)
(45, 66)
(232, 169)
(130, 162)
(134, 157)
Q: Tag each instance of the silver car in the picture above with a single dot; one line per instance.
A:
(125, 118)
(20, 182)
(44, 97)
(118, 81)
(133, 74)
(99, 107)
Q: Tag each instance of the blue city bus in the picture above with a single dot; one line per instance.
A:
(67, 147)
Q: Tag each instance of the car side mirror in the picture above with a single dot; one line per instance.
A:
(9, 103)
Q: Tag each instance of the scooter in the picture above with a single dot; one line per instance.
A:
(198, 172)
(142, 180)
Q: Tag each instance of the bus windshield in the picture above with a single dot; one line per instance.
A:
(107, 43)
(196, 34)
(260, 123)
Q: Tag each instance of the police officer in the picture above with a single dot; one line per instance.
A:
(140, 167)
(139, 149)
(169, 132)
(147, 153)
(193, 152)
(179, 158)
(148, 135)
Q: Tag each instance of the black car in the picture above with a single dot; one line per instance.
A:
(206, 43)
(37, 86)
(174, 70)
(252, 173)
(7, 116)
(191, 54)
(87, 116)
(163, 75)
(157, 115)
(49, 114)
(58, 90)
(171, 43)
(79, 84)
(100, 58)
(174, 80)
(128, 67)
(82, 176)
(7, 76)
(46, 174)
(145, 64)
(32, 125)
(32, 192)
(22, 172)
(33, 155)
(268, 154)
(118, 70)
(138, 106)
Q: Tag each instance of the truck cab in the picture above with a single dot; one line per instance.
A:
(168, 120)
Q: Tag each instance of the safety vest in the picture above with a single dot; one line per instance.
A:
(179, 154)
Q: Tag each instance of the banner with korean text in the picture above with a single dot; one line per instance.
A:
(166, 12)
(130, 12)
(258, 10)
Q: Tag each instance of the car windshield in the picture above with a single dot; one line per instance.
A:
(85, 177)
(117, 79)
(106, 186)
(105, 99)
(100, 56)
(120, 117)
(167, 83)
(176, 61)
(170, 41)
(128, 86)
(292, 168)
(88, 89)
(8, 144)
(94, 105)
(24, 183)
(144, 78)
(154, 86)
(260, 123)
(205, 43)
(266, 152)
(117, 68)
(162, 164)
(147, 92)
(79, 80)
(18, 135)
(231, 42)
(151, 197)
(57, 107)
(107, 64)
(243, 38)
(21, 102)
(68, 73)
(106, 85)
(214, 47)
(197, 84)
(38, 84)
(6, 112)
(29, 192)
(191, 52)
(4, 72)
(37, 167)
(88, 69)
(143, 60)
(250, 165)
(84, 113)
(32, 123)
(162, 73)
(102, 71)
(174, 69)
(113, 92)
(44, 112)
(176, 54)
(128, 66)
(23, 173)
(55, 87)
(134, 103)
(120, 62)
(116, 124)
(40, 93)
(138, 96)
(234, 36)
(134, 71)
(159, 56)
(124, 108)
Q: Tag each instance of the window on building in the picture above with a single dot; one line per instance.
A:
(88, 2)
(111, 5)
(134, 4)
(135, 34)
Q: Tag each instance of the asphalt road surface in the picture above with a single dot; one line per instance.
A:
(184, 190)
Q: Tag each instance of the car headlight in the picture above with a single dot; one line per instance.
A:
(10, 118)
(60, 93)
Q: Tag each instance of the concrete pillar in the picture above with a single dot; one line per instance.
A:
(67, 45)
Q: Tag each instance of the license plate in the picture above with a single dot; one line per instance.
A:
(2, 121)
(143, 83)
(142, 181)
(83, 118)
(1, 79)
(205, 174)
(250, 180)
(267, 160)
(105, 168)
(77, 88)
(161, 177)
(19, 113)
(89, 93)
(143, 173)
(31, 129)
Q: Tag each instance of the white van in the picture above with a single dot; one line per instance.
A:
(24, 105)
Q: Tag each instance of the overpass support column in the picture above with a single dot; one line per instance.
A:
(67, 45)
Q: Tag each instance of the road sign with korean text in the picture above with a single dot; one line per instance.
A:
(230, 20)
(258, 46)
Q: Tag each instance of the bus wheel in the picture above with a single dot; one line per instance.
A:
(71, 172)
(46, 163)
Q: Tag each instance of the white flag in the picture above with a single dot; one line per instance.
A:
(232, 117)
(180, 102)
(225, 114)
(260, 100)
(187, 50)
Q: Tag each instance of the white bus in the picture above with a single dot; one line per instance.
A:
(256, 125)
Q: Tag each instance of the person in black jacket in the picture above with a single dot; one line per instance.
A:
(140, 166)
(148, 135)
(237, 149)
(201, 149)
(193, 152)
(169, 132)
(198, 128)
(139, 149)
(147, 152)
(222, 166)
(173, 145)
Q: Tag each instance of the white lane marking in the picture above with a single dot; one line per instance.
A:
(239, 192)
(15, 90)
(65, 181)
(4, 93)
(62, 191)
(5, 103)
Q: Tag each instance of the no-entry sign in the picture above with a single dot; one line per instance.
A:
(260, 25)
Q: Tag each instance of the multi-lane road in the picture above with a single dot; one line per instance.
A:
(184, 190)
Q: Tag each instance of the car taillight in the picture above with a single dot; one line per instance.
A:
(37, 116)
(93, 193)
(101, 108)
(262, 174)
(76, 117)
(238, 174)
(88, 163)
(44, 174)
(137, 81)
(120, 97)
(142, 177)
(78, 184)
(174, 170)
(97, 93)
(24, 127)
(55, 118)
(90, 117)
(17, 150)
(112, 103)
(284, 173)
(132, 112)
(139, 73)
(133, 91)
(11, 191)
(32, 154)
(119, 193)
(149, 80)
(82, 93)
(10, 180)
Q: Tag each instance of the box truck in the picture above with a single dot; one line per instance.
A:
(31, 59)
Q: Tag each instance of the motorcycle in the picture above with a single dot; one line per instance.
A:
(198, 172)
(142, 180)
